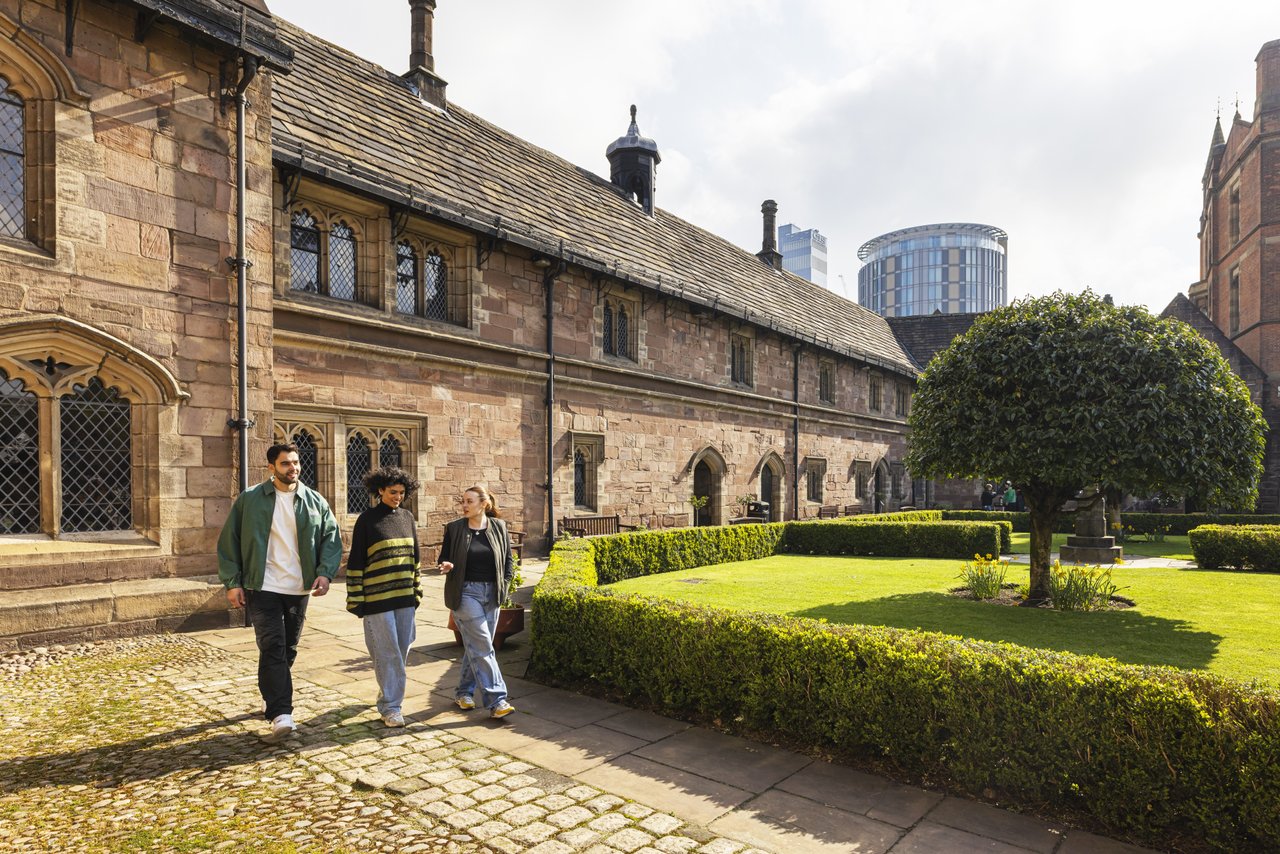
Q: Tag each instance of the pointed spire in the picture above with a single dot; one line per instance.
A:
(1218, 138)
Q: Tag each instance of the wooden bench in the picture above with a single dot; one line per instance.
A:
(829, 511)
(517, 543)
(852, 509)
(592, 526)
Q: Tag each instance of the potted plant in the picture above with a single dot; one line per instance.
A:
(510, 614)
(698, 502)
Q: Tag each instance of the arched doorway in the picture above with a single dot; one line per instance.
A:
(880, 493)
(704, 487)
(771, 485)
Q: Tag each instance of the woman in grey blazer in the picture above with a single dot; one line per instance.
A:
(476, 560)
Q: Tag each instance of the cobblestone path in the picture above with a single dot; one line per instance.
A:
(147, 745)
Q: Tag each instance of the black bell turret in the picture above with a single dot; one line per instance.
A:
(633, 164)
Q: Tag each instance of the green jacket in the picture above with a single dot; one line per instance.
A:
(242, 548)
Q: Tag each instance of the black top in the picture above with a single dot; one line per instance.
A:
(480, 563)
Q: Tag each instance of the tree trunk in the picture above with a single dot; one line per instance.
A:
(1044, 509)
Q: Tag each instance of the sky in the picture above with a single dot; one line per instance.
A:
(1081, 128)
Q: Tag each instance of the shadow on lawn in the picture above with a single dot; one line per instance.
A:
(1128, 636)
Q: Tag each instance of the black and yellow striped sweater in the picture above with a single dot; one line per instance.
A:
(382, 570)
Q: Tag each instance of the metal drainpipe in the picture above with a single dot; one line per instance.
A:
(795, 434)
(548, 283)
(241, 264)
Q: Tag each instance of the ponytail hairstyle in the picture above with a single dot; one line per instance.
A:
(490, 505)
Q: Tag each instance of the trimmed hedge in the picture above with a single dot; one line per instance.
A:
(1020, 521)
(1180, 524)
(1145, 750)
(1251, 547)
(896, 539)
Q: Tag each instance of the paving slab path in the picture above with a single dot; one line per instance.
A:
(566, 773)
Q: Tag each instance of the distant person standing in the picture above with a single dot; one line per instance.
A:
(280, 544)
(1010, 497)
(382, 584)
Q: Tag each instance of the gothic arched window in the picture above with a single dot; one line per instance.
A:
(342, 262)
(19, 458)
(609, 346)
(359, 464)
(307, 458)
(304, 253)
(435, 287)
(97, 470)
(406, 278)
(13, 163)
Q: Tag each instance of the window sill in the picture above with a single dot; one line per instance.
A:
(27, 251)
(42, 549)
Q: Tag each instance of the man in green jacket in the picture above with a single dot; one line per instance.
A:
(279, 545)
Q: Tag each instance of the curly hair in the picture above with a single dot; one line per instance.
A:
(379, 479)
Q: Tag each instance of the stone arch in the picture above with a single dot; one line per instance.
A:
(707, 469)
(33, 71)
(770, 475)
(881, 486)
(83, 351)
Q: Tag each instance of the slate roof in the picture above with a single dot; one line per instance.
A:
(355, 124)
(924, 335)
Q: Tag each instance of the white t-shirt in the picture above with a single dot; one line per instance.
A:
(284, 564)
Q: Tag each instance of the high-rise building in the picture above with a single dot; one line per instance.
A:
(949, 268)
(803, 253)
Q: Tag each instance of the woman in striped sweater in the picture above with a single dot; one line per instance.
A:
(382, 584)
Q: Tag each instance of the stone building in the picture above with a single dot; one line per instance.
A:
(421, 288)
(1236, 302)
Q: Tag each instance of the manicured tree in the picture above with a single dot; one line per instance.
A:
(1060, 392)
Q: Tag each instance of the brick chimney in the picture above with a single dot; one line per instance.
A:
(769, 249)
(422, 65)
(1268, 79)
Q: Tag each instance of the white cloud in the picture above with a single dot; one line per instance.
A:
(1080, 128)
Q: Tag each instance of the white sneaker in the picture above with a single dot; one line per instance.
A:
(393, 719)
(281, 727)
(502, 709)
(465, 703)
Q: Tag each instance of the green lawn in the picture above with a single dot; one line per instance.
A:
(1177, 548)
(1195, 619)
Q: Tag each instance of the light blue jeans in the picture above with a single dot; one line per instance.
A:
(476, 618)
(388, 636)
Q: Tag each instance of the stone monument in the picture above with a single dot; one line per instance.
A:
(1090, 543)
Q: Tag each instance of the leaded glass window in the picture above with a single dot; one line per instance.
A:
(359, 464)
(740, 359)
(307, 458)
(435, 287)
(304, 253)
(19, 458)
(342, 262)
(97, 481)
(608, 331)
(579, 478)
(623, 333)
(13, 194)
(390, 453)
(406, 279)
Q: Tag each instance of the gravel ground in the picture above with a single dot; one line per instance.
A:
(151, 744)
(99, 753)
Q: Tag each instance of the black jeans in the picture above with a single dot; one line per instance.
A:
(277, 622)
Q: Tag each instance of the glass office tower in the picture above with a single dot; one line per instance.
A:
(803, 253)
(952, 268)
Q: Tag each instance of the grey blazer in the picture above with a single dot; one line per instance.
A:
(455, 548)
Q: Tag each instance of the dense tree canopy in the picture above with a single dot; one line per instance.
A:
(1060, 392)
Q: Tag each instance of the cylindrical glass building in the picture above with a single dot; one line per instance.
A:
(953, 268)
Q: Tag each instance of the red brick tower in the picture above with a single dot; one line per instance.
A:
(1239, 287)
